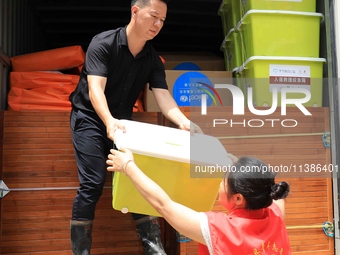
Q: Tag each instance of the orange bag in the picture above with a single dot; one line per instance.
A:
(47, 90)
(76, 70)
(40, 98)
(30, 80)
(41, 91)
(139, 107)
(49, 60)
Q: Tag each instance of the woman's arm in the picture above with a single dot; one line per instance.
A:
(170, 109)
(183, 219)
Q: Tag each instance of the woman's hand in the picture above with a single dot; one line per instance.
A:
(117, 160)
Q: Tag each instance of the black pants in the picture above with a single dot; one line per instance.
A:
(91, 147)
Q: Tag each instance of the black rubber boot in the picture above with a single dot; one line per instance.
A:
(81, 237)
(149, 232)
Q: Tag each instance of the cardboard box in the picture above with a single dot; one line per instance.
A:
(187, 88)
(193, 61)
(174, 159)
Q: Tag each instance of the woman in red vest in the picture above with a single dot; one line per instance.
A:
(255, 203)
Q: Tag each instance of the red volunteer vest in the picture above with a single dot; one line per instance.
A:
(244, 232)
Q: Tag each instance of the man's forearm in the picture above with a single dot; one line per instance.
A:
(99, 104)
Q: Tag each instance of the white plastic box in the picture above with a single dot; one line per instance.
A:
(175, 160)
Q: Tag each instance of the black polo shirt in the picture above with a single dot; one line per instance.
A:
(108, 55)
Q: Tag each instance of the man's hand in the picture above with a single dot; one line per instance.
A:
(190, 126)
(112, 126)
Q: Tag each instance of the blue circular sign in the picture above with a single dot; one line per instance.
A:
(187, 66)
(189, 88)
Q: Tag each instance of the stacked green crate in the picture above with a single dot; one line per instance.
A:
(231, 44)
(271, 44)
(282, 5)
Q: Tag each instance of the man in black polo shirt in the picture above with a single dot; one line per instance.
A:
(118, 65)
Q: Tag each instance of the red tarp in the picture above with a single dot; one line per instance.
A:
(41, 91)
(49, 60)
(46, 91)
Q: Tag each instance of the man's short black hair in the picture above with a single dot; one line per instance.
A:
(145, 2)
